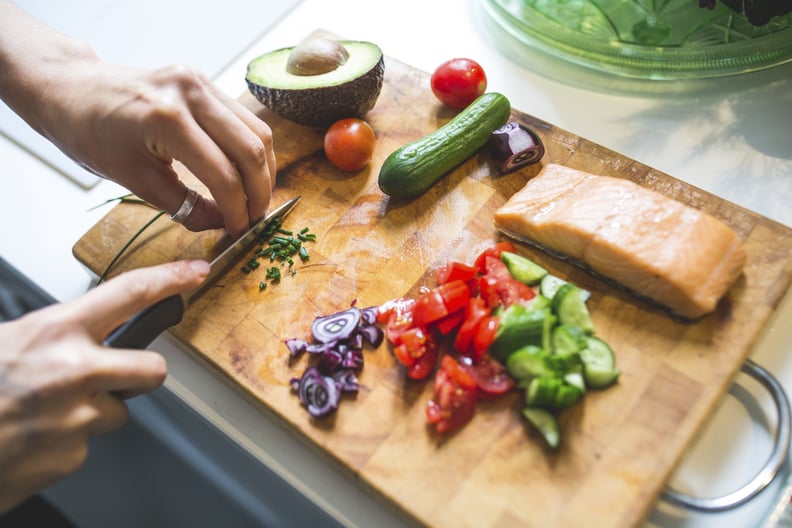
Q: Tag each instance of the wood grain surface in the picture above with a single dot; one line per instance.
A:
(620, 445)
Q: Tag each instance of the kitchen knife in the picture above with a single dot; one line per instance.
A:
(140, 330)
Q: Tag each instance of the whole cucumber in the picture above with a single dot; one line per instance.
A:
(413, 168)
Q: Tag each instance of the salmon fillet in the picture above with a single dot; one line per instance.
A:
(661, 249)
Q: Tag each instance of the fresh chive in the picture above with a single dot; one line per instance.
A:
(126, 246)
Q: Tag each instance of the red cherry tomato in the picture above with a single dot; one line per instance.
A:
(458, 82)
(349, 144)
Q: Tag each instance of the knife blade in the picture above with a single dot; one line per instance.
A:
(142, 328)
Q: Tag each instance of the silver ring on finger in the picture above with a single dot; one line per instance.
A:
(186, 207)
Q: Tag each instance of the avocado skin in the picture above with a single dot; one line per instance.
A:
(322, 106)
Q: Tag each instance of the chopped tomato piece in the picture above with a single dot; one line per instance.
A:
(476, 311)
(454, 398)
(457, 373)
(414, 340)
(455, 295)
(396, 315)
(450, 322)
(497, 285)
(454, 270)
(484, 336)
(492, 251)
(495, 267)
(488, 290)
(417, 351)
(429, 307)
(425, 364)
(394, 308)
(491, 377)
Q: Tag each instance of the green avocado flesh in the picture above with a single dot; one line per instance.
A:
(350, 90)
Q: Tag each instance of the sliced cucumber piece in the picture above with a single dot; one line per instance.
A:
(597, 353)
(570, 306)
(599, 364)
(568, 338)
(600, 379)
(546, 423)
(529, 362)
(551, 393)
(518, 327)
(563, 363)
(523, 269)
(550, 284)
(576, 379)
(540, 302)
(547, 330)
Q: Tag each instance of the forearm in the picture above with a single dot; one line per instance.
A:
(33, 59)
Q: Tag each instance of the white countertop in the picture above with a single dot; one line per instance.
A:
(731, 137)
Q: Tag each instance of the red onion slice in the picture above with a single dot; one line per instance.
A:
(336, 327)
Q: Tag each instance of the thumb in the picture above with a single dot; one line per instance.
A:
(104, 308)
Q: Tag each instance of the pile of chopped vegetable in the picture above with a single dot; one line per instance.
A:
(281, 246)
(513, 326)
(337, 348)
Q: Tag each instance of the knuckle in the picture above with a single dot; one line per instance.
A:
(258, 152)
(187, 80)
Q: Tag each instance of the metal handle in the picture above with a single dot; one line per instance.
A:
(770, 469)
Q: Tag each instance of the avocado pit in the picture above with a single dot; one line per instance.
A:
(316, 56)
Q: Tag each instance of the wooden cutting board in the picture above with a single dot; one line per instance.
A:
(620, 445)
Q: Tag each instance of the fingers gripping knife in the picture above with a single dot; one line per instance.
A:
(140, 330)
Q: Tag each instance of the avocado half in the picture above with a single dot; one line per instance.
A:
(349, 90)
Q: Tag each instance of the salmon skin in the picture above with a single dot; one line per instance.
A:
(660, 249)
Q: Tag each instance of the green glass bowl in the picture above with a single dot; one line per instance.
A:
(647, 39)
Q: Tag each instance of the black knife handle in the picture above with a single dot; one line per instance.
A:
(143, 327)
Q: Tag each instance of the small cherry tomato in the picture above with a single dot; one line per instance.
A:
(349, 144)
(458, 82)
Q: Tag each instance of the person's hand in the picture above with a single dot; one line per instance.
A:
(128, 125)
(58, 385)
(132, 124)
